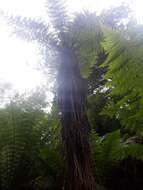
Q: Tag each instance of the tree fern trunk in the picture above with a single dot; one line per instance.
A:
(75, 125)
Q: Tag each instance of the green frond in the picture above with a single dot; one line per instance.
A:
(86, 40)
(124, 75)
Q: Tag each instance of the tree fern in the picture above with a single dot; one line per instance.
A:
(76, 49)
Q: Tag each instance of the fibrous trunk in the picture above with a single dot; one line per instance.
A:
(75, 125)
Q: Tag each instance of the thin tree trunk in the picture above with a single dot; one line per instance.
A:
(75, 125)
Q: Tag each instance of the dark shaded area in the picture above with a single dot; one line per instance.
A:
(127, 175)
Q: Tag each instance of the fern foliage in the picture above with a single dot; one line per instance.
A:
(124, 76)
(109, 151)
(18, 143)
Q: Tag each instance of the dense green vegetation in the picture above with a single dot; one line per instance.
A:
(98, 107)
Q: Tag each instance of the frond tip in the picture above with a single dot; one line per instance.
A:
(58, 14)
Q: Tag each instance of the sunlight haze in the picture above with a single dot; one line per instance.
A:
(18, 57)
